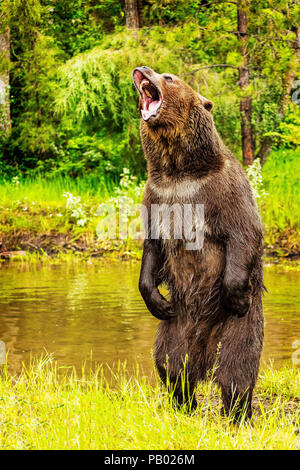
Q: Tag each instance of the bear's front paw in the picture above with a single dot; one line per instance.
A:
(237, 301)
(160, 307)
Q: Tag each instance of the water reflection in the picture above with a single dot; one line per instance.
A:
(71, 310)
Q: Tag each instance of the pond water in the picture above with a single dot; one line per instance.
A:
(72, 310)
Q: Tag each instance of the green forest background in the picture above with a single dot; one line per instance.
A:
(69, 126)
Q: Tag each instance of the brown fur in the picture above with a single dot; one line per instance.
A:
(215, 293)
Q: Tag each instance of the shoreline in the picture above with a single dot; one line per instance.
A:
(45, 395)
(65, 247)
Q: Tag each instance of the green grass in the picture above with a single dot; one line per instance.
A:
(37, 205)
(35, 215)
(281, 178)
(48, 191)
(281, 208)
(47, 407)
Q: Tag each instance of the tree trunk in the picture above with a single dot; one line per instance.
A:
(5, 122)
(266, 142)
(132, 14)
(244, 80)
(140, 11)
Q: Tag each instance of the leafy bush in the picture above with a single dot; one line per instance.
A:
(97, 95)
(73, 103)
(288, 133)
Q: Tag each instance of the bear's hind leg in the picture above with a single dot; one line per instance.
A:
(238, 346)
(237, 403)
(180, 387)
(174, 372)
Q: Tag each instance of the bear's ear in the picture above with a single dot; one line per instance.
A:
(207, 104)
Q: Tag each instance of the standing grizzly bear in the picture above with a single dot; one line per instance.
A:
(214, 317)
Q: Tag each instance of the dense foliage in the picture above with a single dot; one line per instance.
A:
(73, 104)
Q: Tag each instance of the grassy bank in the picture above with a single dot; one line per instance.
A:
(48, 408)
(61, 214)
(280, 207)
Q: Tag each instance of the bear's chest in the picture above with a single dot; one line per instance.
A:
(177, 210)
(176, 192)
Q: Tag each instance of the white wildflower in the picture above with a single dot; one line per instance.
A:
(256, 180)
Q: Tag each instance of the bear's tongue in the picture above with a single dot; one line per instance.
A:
(152, 108)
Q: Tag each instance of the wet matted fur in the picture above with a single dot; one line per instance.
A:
(214, 316)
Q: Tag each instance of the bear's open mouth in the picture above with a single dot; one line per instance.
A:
(150, 95)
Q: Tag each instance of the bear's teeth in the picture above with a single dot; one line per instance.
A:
(143, 83)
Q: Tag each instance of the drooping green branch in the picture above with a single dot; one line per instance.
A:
(209, 67)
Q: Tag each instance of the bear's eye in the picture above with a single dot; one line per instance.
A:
(168, 78)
